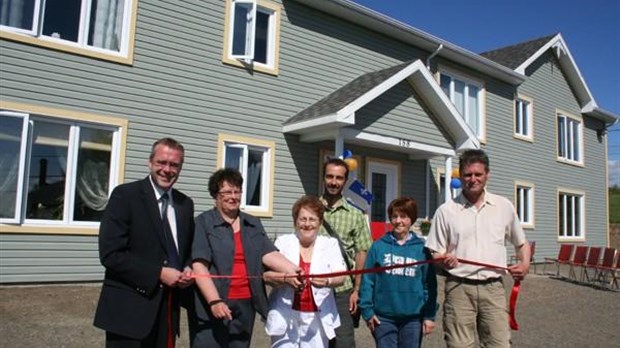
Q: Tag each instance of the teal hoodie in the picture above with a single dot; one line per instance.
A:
(400, 293)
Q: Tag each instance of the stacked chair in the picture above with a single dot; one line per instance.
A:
(606, 274)
(578, 260)
(564, 257)
(595, 271)
(594, 257)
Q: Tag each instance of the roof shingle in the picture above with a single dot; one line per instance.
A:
(514, 55)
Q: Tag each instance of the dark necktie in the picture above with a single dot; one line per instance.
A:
(171, 248)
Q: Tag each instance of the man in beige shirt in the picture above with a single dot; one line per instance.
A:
(474, 226)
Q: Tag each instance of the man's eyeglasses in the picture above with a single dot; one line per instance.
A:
(307, 220)
(230, 193)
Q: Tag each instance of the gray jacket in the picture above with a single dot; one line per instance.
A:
(214, 243)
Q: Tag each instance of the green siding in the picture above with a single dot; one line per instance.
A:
(397, 113)
(178, 86)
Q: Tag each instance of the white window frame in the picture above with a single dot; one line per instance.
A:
(525, 202)
(523, 114)
(35, 35)
(248, 57)
(569, 150)
(250, 30)
(481, 97)
(21, 171)
(225, 141)
(75, 120)
(570, 200)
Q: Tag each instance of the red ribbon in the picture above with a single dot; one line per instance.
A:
(513, 295)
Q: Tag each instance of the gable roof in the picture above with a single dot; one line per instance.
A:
(514, 55)
(520, 56)
(346, 95)
(330, 115)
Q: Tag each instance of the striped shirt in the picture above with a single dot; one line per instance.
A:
(352, 228)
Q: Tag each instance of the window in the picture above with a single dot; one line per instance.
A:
(467, 97)
(96, 25)
(569, 139)
(255, 160)
(55, 171)
(252, 34)
(523, 118)
(524, 203)
(571, 215)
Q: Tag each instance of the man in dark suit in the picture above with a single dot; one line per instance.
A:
(145, 242)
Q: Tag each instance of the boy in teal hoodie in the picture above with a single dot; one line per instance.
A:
(399, 304)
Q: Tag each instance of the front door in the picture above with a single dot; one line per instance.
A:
(382, 180)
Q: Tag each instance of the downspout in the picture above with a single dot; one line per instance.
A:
(428, 60)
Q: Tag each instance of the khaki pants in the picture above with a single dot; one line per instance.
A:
(472, 308)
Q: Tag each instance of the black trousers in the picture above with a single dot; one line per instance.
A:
(235, 333)
(158, 337)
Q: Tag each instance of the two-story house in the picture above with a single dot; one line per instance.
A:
(272, 87)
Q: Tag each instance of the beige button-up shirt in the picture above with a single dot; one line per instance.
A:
(476, 234)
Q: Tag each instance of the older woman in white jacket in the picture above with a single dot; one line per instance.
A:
(306, 316)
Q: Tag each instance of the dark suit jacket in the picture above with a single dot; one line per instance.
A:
(132, 250)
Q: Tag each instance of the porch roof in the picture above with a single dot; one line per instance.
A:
(330, 116)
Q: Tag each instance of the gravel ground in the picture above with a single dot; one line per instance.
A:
(551, 313)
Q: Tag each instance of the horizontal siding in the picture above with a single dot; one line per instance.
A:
(48, 258)
(535, 162)
(177, 86)
(398, 114)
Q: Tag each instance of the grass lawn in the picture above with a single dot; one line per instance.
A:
(614, 205)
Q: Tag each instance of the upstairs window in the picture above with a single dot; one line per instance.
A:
(252, 34)
(523, 118)
(55, 171)
(570, 143)
(468, 98)
(524, 203)
(99, 25)
(571, 215)
(255, 160)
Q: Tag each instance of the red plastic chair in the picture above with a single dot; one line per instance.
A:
(579, 259)
(606, 268)
(594, 257)
(614, 274)
(564, 255)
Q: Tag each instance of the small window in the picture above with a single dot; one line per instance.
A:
(570, 144)
(524, 204)
(55, 170)
(468, 98)
(571, 215)
(523, 118)
(254, 159)
(96, 25)
(252, 34)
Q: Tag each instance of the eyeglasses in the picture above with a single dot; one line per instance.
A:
(230, 193)
(307, 220)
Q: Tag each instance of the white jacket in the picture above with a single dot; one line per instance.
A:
(326, 258)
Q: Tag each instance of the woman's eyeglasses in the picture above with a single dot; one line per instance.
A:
(307, 220)
(230, 193)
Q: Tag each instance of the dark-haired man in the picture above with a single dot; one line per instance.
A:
(351, 227)
(474, 227)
